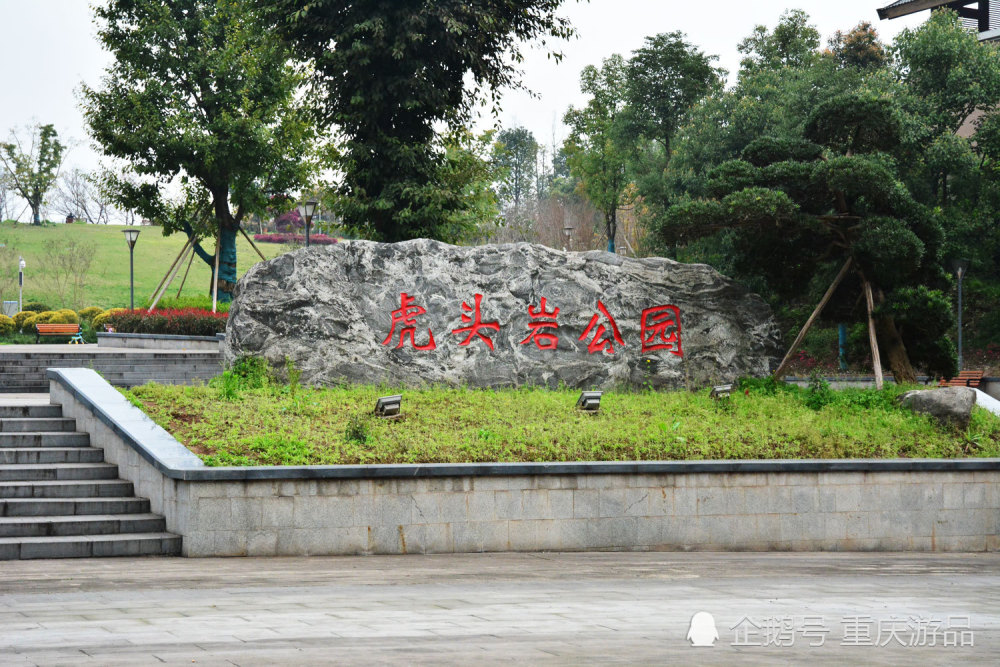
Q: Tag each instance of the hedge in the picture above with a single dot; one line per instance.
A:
(317, 239)
(183, 322)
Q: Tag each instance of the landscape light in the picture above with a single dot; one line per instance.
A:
(589, 401)
(306, 210)
(388, 406)
(131, 234)
(721, 391)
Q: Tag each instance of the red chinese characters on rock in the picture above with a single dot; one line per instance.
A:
(475, 324)
(599, 343)
(542, 320)
(406, 316)
(661, 330)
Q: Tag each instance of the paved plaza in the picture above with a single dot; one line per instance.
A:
(490, 608)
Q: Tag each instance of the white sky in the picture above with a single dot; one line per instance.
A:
(50, 48)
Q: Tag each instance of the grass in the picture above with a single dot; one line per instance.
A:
(107, 282)
(229, 423)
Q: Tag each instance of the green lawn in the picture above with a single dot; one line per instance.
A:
(276, 425)
(107, 283)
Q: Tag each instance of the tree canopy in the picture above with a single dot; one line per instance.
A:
(386, 72)
(198, 99)
(31, 166)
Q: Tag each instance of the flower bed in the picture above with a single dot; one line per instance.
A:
(183, 322)
(315, 239)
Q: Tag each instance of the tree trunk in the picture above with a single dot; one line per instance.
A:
(227, 263)
(895, 351)
(36, 218)
(611, 221)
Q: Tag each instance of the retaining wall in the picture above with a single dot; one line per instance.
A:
(842, 505)
(157, 341)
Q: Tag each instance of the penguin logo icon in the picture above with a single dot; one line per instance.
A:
(702, 631)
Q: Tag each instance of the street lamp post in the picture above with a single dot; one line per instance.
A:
(961, 267)
(20, 283)
(568, 231)
(131, 234)
(306, 210)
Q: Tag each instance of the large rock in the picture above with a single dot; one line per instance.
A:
(330, 310)
(949, 405)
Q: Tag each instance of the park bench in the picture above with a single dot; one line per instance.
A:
(59, 330)
(964, 379)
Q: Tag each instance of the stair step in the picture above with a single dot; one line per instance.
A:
(95, 488)
(31, 472)
(45, 439)
(34, 425)
(87, 546)
(33, 507)
(94, 524)
(28, 455)
(30, 411)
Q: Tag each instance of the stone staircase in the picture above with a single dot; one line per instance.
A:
(24, 372)
(59, 499)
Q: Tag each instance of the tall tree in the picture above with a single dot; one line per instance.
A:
(665, 78)
(198, 96)
(387, 72)
(516, 154)
(32, 166)
(597, 147)
(792, 43)
(860, 47)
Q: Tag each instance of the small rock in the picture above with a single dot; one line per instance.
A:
(949, 405)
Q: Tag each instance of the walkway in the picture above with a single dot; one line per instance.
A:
(541, 608)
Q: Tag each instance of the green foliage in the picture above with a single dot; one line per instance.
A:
(764, 151)
(595, 148)
(334, 426)
(36, 307)
(198, 301)
(818, 393)
(855, 123)
(859, 48)
(792, 43)
(6, 325)
(31, 165)
(89, 313)
(516, 154)
(387, 72)
(201, 101)
(170, 322)
(253, 372)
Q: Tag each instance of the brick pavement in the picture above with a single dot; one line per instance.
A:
(489, 608)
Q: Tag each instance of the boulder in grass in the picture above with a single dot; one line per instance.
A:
(949, 405)
(422, 312)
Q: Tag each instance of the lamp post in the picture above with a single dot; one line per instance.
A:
(568, 231)
(960, 267)
(131, 234)
(306, 210)
(20, 283)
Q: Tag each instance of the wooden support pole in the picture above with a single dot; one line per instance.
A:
(170, 277)
(179, 255)
(252, 244)
(876, 359)
(783, 367)
(215, 271)
(186, 272)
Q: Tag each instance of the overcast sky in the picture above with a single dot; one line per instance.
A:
(49, 48)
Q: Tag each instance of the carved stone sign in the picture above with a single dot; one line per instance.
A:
(424, 312)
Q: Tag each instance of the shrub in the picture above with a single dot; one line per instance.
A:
(88, 314)
(317, 239)
(36, 307)
(67, 316)
(254, 372)
(20, 317)
(100, 320)
(184, 322)
(6, 325)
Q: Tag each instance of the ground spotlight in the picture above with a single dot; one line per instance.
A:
(589, 401)
(721, 391)
(388, 406)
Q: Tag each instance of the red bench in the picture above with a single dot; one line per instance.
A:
(59, 330)
(964, 379)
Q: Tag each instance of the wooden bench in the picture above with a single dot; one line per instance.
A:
(59, 330)
(964, 379)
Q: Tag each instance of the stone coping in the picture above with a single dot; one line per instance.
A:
(176, 461)
(921, 379)
(112, 336)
